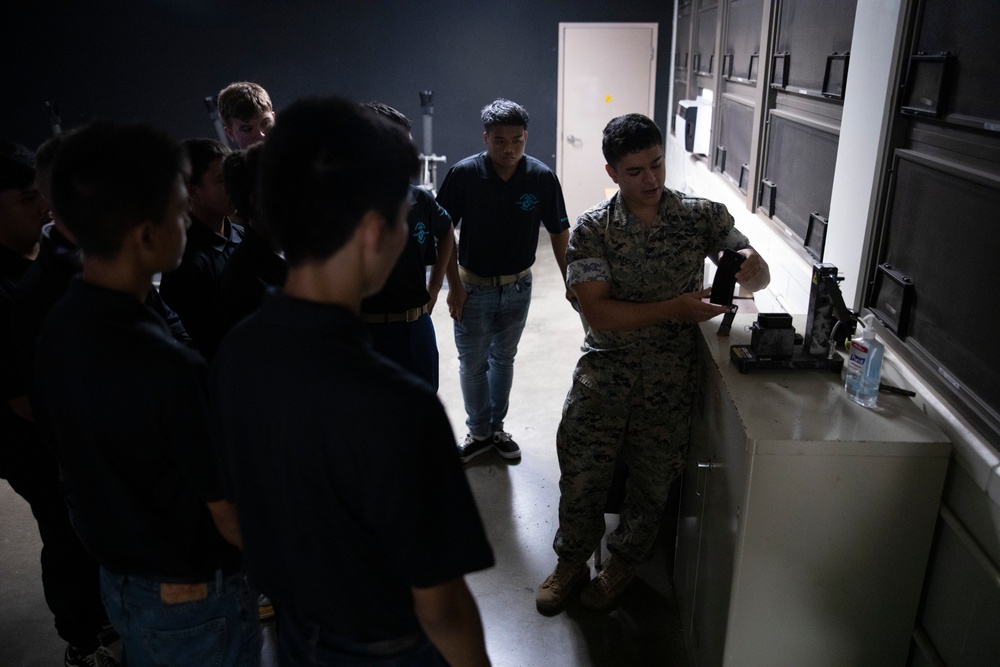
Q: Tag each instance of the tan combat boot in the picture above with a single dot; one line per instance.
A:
(556, 589)
(607, 587)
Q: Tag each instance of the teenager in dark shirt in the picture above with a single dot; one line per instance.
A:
(399, 316)
(190, 290)
(256, 264)
(498, 199)
(69, 573)
(125, 409)
(59, 260)
(376, 521)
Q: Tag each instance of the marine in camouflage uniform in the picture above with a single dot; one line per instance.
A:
(632, 390)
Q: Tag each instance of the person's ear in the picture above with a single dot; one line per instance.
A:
(229, 132)
(140, 240)
(486, 138)
(611, 172)
(371, 231)
(194, 192)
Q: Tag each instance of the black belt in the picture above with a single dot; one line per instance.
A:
(411, 315)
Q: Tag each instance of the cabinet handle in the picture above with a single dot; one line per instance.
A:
(704, 465)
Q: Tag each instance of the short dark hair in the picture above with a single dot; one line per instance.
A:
(391, 114)
(239, 172)
(45, 156)
(504, 112)
(242, 100)
(327, 163)
(630, 133)
(17, 166)
(107, 178)
(201, 154)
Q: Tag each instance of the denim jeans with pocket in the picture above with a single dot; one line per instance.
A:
(220, 630)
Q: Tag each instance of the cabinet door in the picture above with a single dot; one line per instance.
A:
(710, 518)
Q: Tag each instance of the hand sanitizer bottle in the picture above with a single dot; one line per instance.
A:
(864, 368)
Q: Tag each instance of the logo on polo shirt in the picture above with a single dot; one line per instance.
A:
(527, 201)
(420, 233)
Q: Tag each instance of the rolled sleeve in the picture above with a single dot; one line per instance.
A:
(591, 269)
(586, 254)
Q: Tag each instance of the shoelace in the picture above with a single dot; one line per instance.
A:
(562, 577)
(612, 575)
(104, 657)
(502, 436)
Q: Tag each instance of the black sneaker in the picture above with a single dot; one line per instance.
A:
(471, 448)
(506, 447)
(102, 656)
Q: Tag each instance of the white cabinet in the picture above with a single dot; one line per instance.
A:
(806, 520)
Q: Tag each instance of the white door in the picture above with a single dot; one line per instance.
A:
(605, 70)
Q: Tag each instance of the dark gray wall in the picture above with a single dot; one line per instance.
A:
(154, 62)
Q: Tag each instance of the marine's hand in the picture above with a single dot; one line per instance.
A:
(456, 301)
(690, 307)
(754, 273)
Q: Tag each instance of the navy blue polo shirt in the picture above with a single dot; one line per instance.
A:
(499, 219)
(359, 453)
(190, 290)
(59, 261)
(406, 286)
(125, 407)
(12, 267)
(251, 270)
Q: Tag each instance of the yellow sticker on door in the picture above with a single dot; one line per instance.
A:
(607, 98)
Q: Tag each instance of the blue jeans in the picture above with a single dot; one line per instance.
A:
(487, 337)
(222, 629)
(412, 345)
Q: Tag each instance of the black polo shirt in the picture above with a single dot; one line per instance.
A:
(191, 289)
(499, 219)
(364, 494)
(251, 270)
(406, 287)
(125, 407)
(12, 382)
(59, 261)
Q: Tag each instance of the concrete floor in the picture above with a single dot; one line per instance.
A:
(518, 502)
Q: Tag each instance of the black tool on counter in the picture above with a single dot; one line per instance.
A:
(723, 286)
(829, 322)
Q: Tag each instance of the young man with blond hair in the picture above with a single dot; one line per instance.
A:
(246, 112)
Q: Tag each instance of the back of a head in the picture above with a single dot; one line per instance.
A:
(242, 100)
(389, 113)
(239, 172)
(502, 112)
(108, 178)
(327, 163)
(630, 133)
(201, 154)
(45, 157)
(17, 166)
